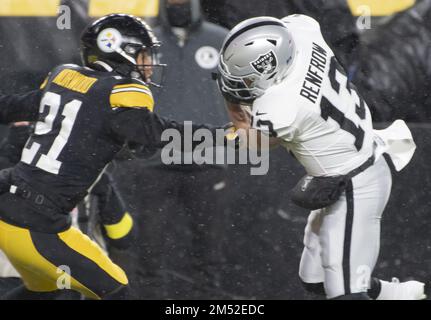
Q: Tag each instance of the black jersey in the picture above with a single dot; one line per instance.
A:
(85, 117)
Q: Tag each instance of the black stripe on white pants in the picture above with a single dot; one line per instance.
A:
(348, 236)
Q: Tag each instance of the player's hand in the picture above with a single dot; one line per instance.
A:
(231, 136)
(230, 130)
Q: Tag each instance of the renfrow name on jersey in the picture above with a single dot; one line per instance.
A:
(313, 80)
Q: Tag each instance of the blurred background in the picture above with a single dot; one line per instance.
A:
(215, 232)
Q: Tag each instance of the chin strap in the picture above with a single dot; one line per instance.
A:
(122, 53)
(104, 65)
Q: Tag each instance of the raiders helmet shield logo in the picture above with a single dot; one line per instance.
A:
(266, 63)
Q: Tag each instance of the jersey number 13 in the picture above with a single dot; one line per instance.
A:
(341, 98)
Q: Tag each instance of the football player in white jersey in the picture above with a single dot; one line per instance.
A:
(280, 78)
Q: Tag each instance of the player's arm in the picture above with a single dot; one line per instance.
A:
(144, 127)
(240, 115)
(133, 120)
(116, 220)
(12, 145)
(241, 118)
(20, 107)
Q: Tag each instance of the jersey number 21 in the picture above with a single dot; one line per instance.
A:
(50, 107)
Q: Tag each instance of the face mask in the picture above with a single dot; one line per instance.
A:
(179, 15)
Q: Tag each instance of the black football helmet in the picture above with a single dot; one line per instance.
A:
(113, 43)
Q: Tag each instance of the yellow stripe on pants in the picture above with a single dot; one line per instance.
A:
(39, 274)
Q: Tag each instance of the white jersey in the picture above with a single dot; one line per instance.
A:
(317, 113)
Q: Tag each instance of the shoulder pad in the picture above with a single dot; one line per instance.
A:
(56, 71)
(72, 78)
(131, 94)
(275, 110)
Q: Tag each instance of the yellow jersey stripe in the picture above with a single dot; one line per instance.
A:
(132, 99)
(131, 85)
(131, 90)
(120, 229)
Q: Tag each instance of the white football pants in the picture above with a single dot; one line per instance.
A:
(342, 241)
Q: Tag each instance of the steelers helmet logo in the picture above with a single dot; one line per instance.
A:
(207, 57)
(266, 63)
(109, 40)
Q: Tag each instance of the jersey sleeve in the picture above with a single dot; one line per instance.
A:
(143, 127)
(20, 107)
(132, 94)
(275, 117)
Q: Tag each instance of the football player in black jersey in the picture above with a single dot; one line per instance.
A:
(103, 212)
(84, 115)
(105, 204)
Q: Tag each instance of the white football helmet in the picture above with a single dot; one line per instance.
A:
(257, 53)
